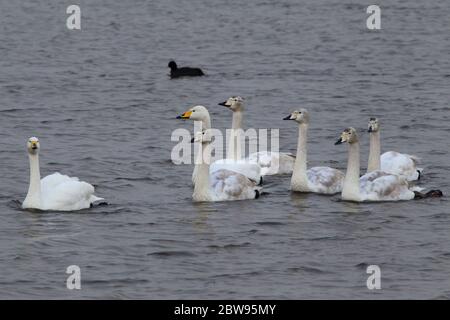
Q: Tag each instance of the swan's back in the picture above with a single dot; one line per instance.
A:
(250, 169)
(383, 186)
(229, 185)
(61, 192)
(325, 180)
(273, 162)
(400, 164)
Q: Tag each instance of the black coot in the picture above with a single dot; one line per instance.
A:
(176, 72)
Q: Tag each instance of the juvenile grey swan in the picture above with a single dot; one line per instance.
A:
(271, 163)
(323, 180)
(391, 161)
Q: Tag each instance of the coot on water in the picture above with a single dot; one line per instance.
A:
(176, 72)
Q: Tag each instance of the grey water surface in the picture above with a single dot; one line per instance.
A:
(102, 104)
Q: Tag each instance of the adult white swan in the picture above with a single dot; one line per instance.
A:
(376, 185)
(391, 162)
(324, 180)
(222, 185)
(270, 162)
(247, 168)
(56, 191)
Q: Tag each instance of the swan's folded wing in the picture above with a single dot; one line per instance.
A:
(400, 164)
(229, 185)
(51, 181)
(371, 176)
(246, 167)
(66, 194)
(325, 180)
(381, 186)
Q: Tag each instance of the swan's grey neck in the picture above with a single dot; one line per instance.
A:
(33, 198)
(350, 190)
(234, 149)
(202, 184)
(237, 120)
(374, 152)
(299, 180)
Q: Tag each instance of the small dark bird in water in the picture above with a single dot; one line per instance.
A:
(176, 72)
(429, 194)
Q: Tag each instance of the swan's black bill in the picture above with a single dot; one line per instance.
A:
(224, 104)
(288, 118)
(192, 140)
(338, 142)
(369, 130)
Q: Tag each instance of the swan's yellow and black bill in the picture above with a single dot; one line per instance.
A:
(185, 115)
(223, 104)
(339, 141)
(288, 117)
(34, 145)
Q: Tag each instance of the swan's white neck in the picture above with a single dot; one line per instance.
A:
(350, 190)
(33, 198)
(206, 124)
(374, 152)
(202, 185)
(234, 148)
(299, 180)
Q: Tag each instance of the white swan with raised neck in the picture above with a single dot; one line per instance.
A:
(55, 191)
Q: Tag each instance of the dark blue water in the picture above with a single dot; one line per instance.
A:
(103, 107)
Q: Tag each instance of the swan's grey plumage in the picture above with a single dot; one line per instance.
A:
(221, 185)
(373, 186)
(317, 179)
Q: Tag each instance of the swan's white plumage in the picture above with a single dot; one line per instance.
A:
(64, 193)
(400, 164)
(247, 168)
(396, 163)
(272, 163)
(383, 186)
(55, 191)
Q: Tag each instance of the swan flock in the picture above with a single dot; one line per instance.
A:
(390, 176)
